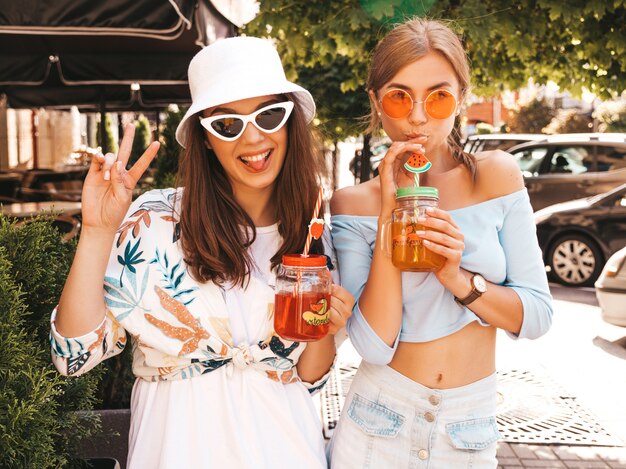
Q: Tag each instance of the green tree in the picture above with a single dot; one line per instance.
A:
(576, 44)
(41, 418)
(532, 117)
(166, 164)
(111, 144)
(326, 46)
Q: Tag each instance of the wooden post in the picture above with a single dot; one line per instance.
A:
(34, 137)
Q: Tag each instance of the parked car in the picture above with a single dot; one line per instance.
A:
(571, 166)
(577, 237)
(484, 142)
(611, 289)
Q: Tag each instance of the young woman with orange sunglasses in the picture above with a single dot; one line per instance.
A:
(425, 393)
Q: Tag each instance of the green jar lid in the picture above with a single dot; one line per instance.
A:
(420, 191)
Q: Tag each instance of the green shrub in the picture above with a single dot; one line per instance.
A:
(170, 151)
(143, 137)
(41, 423)
(111, 144)
(484, 128)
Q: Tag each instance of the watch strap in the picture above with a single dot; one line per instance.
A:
(473, 295)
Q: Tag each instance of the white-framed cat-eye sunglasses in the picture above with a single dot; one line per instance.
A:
(229, 127)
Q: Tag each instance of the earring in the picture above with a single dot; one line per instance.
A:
(379, 114)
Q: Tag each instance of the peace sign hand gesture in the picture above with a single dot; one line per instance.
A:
(108, 187)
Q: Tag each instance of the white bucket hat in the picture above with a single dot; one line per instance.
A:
(237, 68)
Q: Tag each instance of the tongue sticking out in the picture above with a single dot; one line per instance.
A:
(256, 164)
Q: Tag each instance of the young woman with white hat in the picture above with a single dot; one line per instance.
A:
(189, 274)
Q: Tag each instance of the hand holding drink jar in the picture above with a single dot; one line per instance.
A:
(302, 307)
(401, 234)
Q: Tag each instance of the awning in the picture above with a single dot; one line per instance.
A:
(127, 54)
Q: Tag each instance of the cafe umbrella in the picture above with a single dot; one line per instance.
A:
(107, 55)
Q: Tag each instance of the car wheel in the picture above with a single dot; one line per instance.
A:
(575, 260)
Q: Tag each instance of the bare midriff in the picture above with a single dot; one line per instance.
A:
(449, 362)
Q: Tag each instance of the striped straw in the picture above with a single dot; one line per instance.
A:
(316, 212)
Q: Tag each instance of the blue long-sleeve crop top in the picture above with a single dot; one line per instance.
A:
(500, 244)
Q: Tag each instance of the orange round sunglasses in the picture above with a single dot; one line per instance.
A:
(439, 104)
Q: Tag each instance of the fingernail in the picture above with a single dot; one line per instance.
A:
(107, 175)
(420, 232)
(430, 210)
(421, 219)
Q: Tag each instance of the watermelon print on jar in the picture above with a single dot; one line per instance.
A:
(405, 247)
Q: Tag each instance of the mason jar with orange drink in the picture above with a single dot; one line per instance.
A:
(407, 250)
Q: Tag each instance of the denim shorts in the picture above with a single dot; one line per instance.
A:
(390, 422)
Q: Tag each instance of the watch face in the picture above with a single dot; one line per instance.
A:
(479, 283)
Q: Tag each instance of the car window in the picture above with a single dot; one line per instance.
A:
(610, 158)
(530, 160)
(571, 160)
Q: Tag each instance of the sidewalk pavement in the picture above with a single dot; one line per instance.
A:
(517, 456)
(570, 354)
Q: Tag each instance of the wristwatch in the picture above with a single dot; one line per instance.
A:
(479, 286)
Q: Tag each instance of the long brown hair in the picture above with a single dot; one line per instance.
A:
(409, 42)
(216, 232)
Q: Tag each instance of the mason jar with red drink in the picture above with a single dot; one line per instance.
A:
(302, 301)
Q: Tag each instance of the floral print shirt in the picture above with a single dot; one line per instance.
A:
(179, 328)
